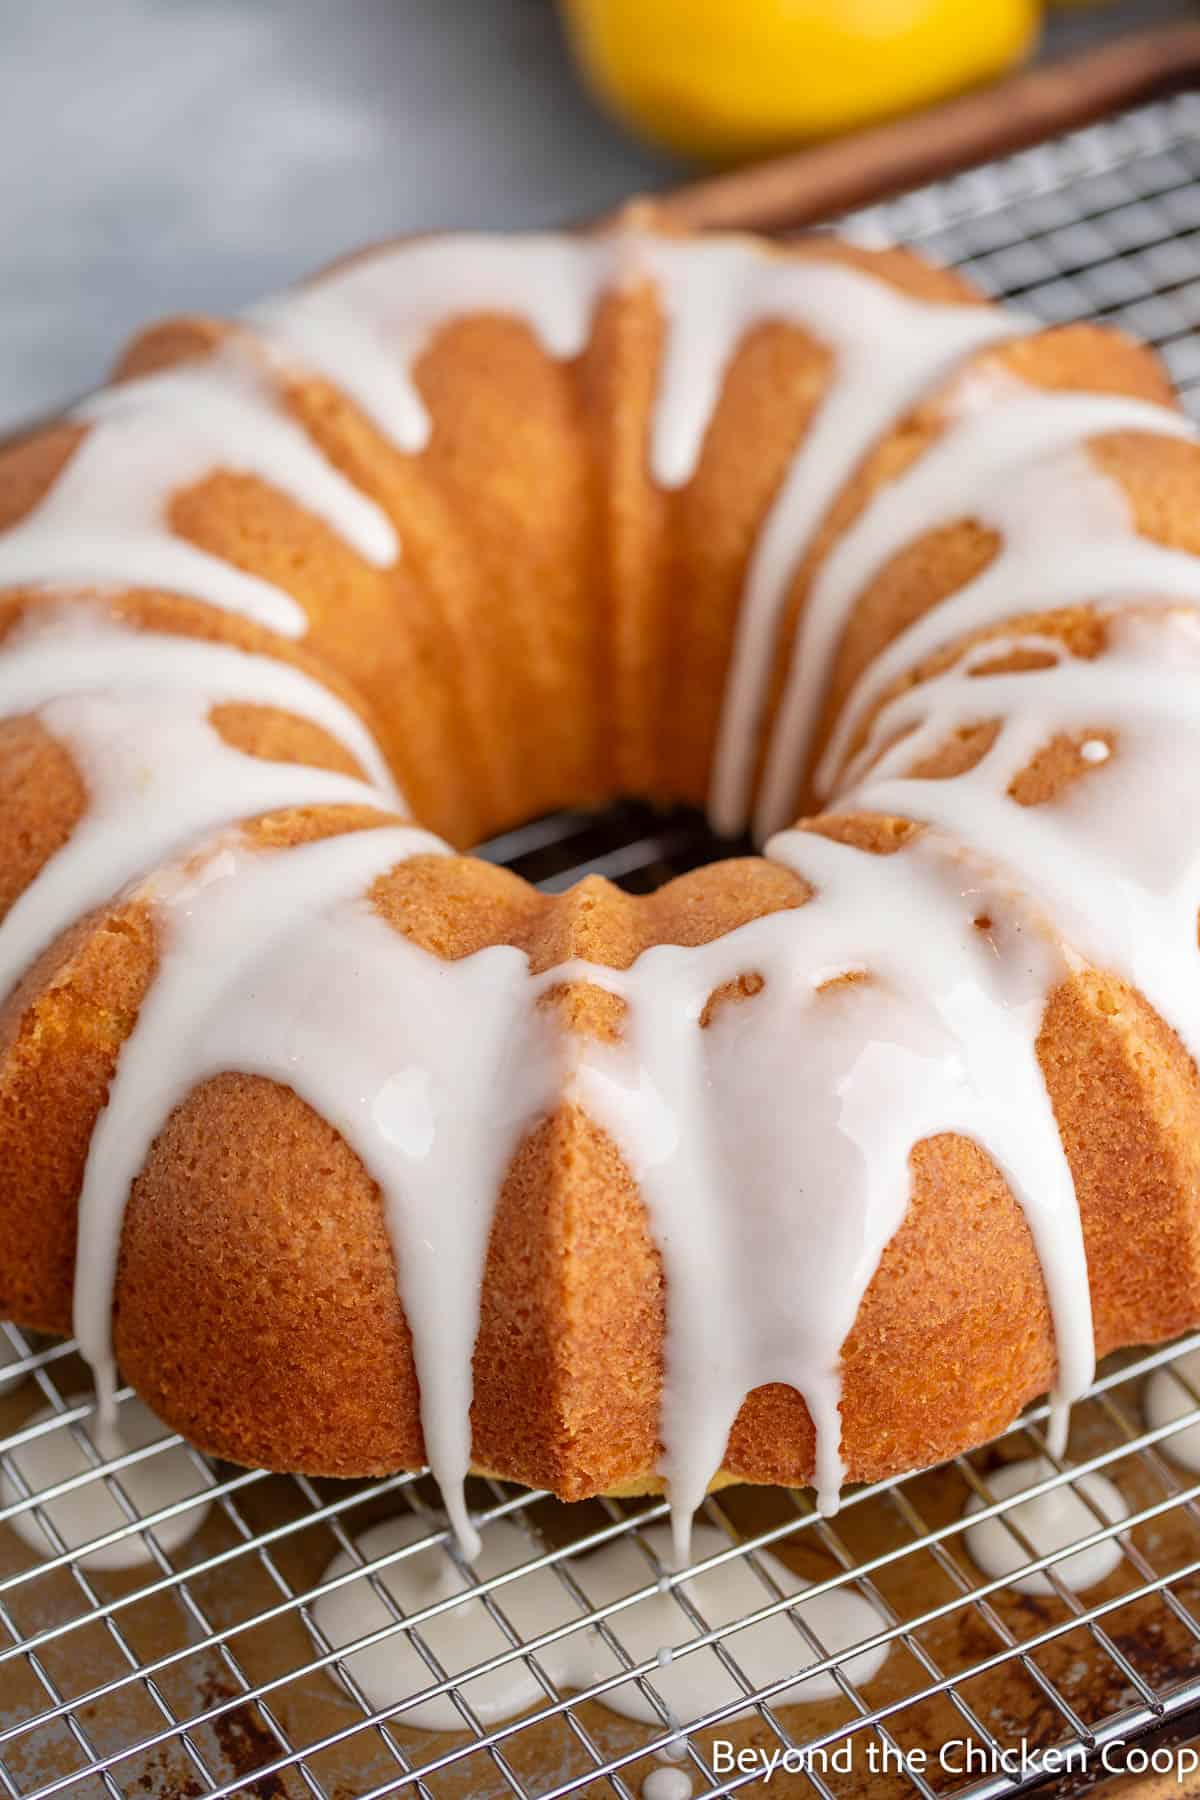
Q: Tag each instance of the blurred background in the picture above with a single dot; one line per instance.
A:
(162, 155)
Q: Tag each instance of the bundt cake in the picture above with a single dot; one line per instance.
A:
(358, 1153)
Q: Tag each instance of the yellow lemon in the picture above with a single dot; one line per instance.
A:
(726, 79)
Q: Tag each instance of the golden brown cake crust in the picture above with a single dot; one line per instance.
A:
(953, 1337)
(515, 659)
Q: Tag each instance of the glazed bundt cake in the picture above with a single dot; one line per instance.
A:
(358, 1153)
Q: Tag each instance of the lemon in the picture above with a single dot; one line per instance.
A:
(728, 79)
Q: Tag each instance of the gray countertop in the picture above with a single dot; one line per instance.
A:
(161, 155)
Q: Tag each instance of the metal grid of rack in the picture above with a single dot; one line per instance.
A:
(204, 1671)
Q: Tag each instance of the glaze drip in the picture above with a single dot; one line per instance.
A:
(366, 328)
(373, 1038)
(770, 1138)
(85, 1514)
(1104, 858)
(1021, 467)
(106, 521)
(688, 1686)
(133, 709)
(770, 1219)
(1048, 1523)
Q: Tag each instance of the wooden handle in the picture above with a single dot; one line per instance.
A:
(1024, 109)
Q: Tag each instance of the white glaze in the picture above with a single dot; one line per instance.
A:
(133, 710)
(1049, 1522)
(1013, 460)
(91, 1510)
(1107, 860)
(689, 1686)
(365, 326)
(1165, 1399)
(754, 1202)
(667, 1784)
(276, 965)
(771, 1210)
(105, 521)
(401, 1052)
(889, 349)
(673, 1751)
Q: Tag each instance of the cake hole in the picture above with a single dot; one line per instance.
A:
(636, 846)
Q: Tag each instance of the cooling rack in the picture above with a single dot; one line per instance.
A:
(205, 1673)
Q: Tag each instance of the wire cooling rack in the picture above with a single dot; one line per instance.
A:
(203, 1671)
